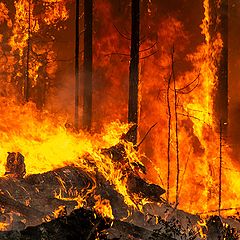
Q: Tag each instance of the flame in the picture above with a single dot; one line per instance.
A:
(59, 212)
(55, 11)
(29, 42)
(202, 228)
(3, 226)
(103, 207)
(74, 195)
(47, 145)
(19, 39)
(6, 223)
(198, 128)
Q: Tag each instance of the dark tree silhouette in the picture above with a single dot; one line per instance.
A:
(134, 69)
(219, 23)
(27, 80)
(76, 118)
(223, 68)
(87, 65)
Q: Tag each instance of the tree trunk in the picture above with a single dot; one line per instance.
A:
(220, 12)
(27, 82)
(223, 68)
(133, 69)
(76, 117)
(87, 65)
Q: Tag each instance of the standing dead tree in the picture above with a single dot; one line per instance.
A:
(169, 137)
(87, 64)
(219, 24)
(134, 69)
(176, 129)
(186, 89)
(76, 118)
(27, 81)
(223, 68)
(220, 167)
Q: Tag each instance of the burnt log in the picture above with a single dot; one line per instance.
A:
(81, 224)
(138, 186)
(215, 228)
(13, 205)
(35, 196)
(84, 224)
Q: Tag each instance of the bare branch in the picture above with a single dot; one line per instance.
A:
(127, 38)
(116, 53)
(181, 90)
(190, 116)
(149, 55)
(149, 48)
(149, 130)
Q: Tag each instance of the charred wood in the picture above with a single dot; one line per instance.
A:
(79, 225)
(19, 207)
(84, 224)
(15, 165)
(138, 186)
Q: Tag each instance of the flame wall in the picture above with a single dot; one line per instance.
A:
(181, 24)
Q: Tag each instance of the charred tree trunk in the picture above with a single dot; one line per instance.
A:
(219, 23)
(176, 130)
(134, 68)
(223, 68)
(27, 81)
(220, 169)
(76, 117)
(87, 65)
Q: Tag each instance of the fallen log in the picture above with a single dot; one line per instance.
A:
(138, 186)
(10, 203)
(35, 196)
(81, 224)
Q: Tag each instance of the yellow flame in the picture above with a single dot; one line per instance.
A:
(103, 207)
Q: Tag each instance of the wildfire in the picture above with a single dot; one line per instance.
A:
(198, 129)
(47, 142)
